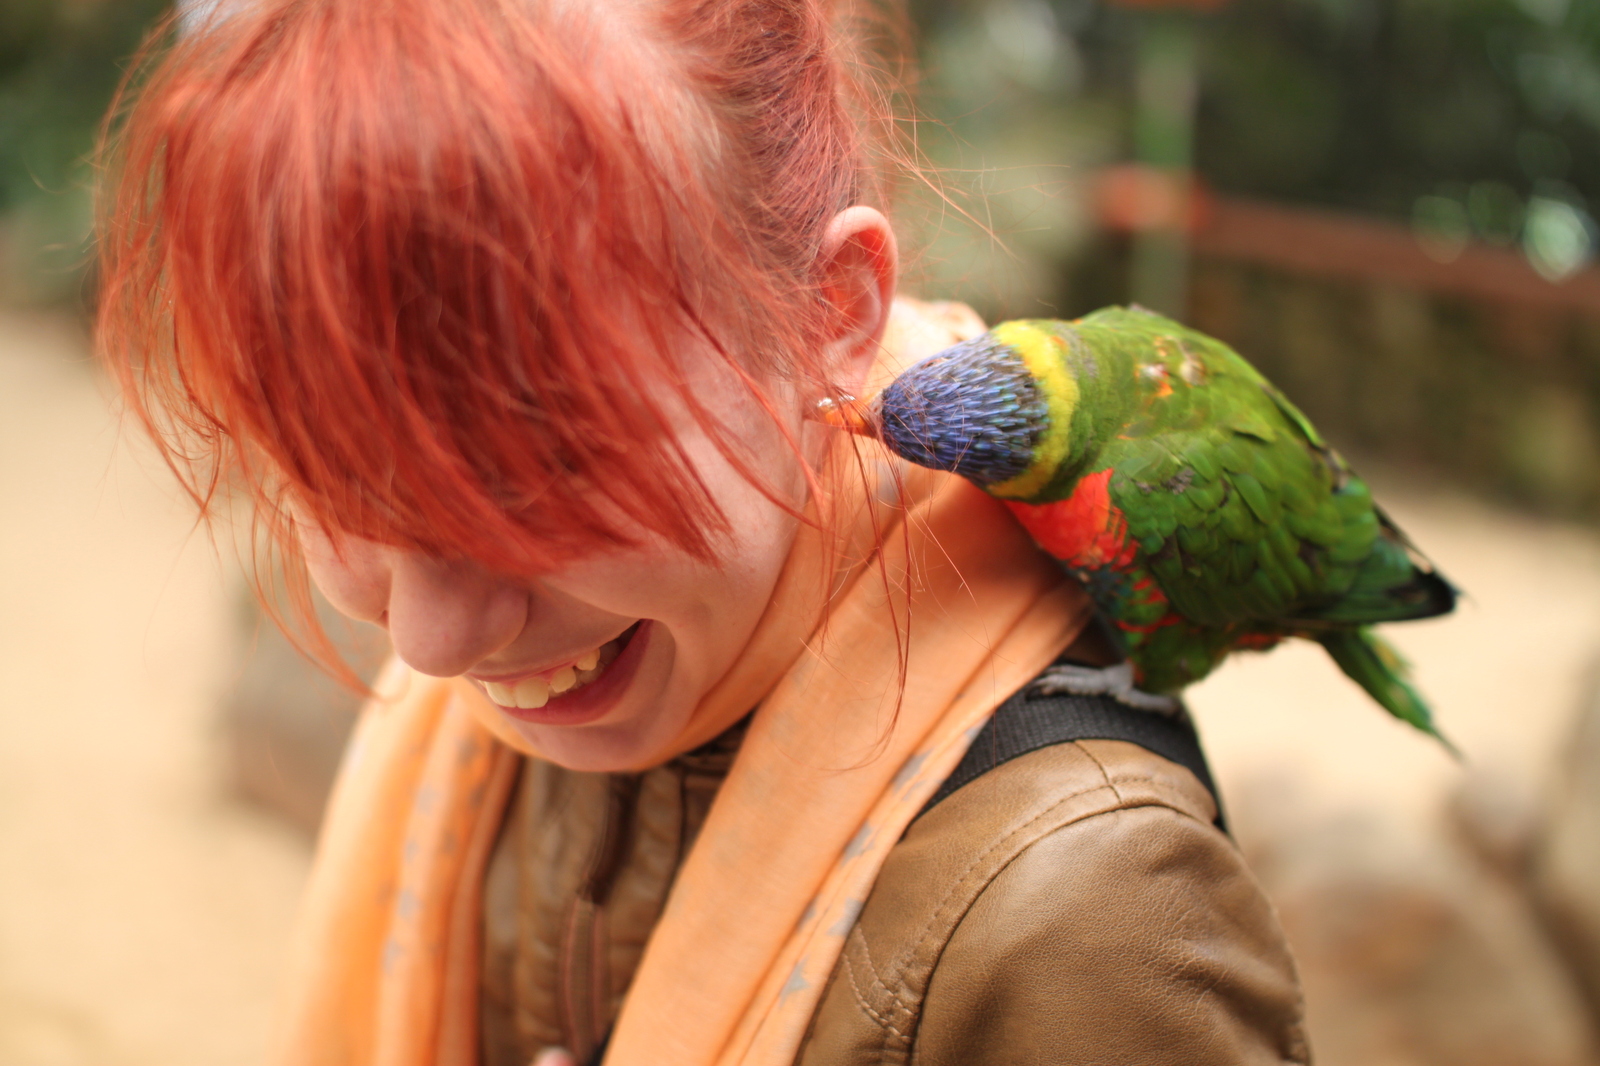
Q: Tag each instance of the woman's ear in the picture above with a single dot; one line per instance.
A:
(859, 266)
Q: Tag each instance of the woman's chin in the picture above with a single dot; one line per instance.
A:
(623, 747)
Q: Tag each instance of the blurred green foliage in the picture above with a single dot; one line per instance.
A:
(1364, 104)
(1371, 104)
(60, 61)
(1470, 118)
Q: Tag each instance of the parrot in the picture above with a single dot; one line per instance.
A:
(1200, 509)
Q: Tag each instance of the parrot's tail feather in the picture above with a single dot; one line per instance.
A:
(1375, 665)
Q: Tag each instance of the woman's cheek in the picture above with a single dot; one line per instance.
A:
(661, 585)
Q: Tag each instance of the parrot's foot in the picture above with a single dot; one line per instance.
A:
(1114, 681)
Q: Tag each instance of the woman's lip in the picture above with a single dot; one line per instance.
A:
(523, 675)
(597, 698)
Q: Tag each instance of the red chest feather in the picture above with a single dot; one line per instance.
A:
(1085, 531)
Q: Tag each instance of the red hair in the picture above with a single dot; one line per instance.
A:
(425, 265)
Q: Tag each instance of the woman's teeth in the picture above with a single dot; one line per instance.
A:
(534, 692)
(530, 693)
(563, 679)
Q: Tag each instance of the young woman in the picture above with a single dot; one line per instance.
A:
(508, 314)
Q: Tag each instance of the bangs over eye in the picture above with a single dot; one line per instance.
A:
(426, 270)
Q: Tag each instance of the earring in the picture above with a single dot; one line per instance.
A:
(847, 413)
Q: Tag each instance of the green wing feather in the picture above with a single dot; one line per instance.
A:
(1216, 478)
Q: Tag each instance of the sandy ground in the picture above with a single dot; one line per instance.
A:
(143, 913)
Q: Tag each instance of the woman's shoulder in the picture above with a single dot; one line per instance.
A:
(1076, 903)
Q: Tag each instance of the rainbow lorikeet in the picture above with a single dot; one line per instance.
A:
(1202, 511)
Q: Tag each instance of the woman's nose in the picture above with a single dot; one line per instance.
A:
(445, 617)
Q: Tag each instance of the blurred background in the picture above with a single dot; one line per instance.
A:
(1388, 205)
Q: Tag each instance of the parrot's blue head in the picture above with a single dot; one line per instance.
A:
(974, 409)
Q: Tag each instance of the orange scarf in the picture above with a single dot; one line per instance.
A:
(838, 759)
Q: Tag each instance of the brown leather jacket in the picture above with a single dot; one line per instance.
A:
(1073, 905)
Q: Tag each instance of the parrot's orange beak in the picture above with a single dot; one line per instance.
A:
(849, 414)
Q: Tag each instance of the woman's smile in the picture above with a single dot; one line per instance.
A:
(580, 690)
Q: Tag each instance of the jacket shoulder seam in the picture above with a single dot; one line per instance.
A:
(1164, 785)
(862, 1001)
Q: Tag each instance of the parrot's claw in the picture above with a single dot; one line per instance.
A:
(1114, 681)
